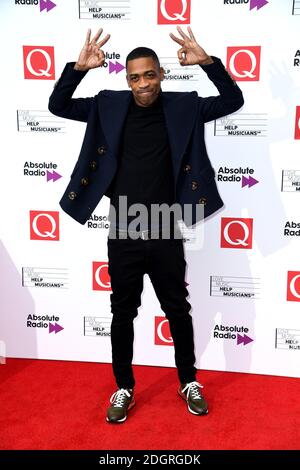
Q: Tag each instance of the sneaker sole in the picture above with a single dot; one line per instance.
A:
(123, 419)
(191, 411)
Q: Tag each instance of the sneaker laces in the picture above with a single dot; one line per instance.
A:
(118, 398)
(193, 389)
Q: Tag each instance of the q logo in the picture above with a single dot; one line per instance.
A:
(38, 62)
(293, 286)
(101, 278)
(174, 12)
(243, 63)
(162, 332)
(44, 225)
(236, 233)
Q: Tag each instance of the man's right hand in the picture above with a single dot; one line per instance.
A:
(91, 55)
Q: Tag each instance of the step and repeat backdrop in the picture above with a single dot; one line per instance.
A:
(243, 276)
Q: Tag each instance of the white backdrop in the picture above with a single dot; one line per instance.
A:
(55, 288)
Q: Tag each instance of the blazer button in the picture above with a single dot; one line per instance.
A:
(72, 195)
(194, 185)
(203, 201)
(93, 165)
(84, 181)
(101, 150)
(187, 168)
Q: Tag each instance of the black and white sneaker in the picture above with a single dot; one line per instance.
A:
(191, 393)
(121, 402)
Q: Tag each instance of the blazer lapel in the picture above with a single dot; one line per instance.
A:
(180, 112)
(112, 109)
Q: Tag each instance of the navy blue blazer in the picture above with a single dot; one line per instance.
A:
(105, 113)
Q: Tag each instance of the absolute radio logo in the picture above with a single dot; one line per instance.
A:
(291, 229)
(45, 5)
(162, 334)
(243, 62)
(236, 233)
(173, 11)
(44, 225)
(101, 278)
(232, 332)
(98, 222)
(112, 62)
(44, 321)
(293, 286)
(258, 4)
(38, 62)
(240, 175)
(46, 170)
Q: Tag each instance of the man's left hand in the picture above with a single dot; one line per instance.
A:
(190, 52)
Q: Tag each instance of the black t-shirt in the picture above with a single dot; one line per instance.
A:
(145, 172)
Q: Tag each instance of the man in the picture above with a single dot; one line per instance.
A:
(148, 146)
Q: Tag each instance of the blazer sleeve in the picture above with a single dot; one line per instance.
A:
(230, 98)
(61, 102)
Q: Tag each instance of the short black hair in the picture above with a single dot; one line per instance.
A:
(139, 52)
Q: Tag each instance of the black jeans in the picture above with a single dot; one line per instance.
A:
(163, 260)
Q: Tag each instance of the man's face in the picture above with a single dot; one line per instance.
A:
(144, 77)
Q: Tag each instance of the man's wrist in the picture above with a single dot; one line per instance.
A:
(80, 68)
(206, 61)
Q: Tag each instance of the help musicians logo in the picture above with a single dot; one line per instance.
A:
(290, 181)
(235, 287)
(50, 278)
(242, 125)
(296, 7)
(287, 339)
(97, 326)
(109, 10)
(37, 122)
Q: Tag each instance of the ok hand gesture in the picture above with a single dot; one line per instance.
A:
(91, 55)
(190, 52)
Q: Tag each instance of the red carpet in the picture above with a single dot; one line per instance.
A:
(61, 405)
